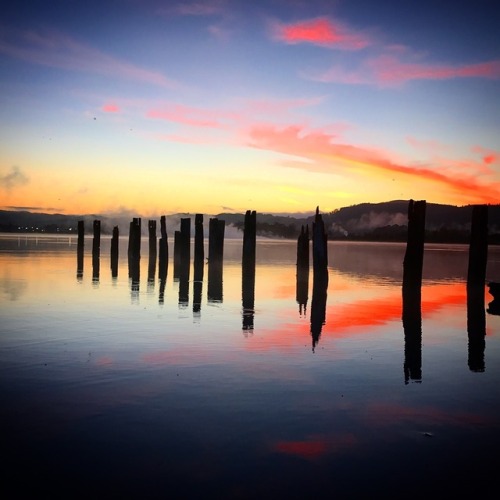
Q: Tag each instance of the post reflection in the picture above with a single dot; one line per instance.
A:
(318, 310)
(476, 328)
(248, 297)
(412, 327)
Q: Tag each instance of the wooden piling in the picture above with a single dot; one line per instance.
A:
(163, 250)
(199, 248)
(320, 252)
(134, 252)
(248, 269)
(185, 248)
(114, 252)
(79, 249)
(152, 251)
(216, 230)
(302, 272)
(96, 249)
(478, 247)
(414, 255)
(177, 254)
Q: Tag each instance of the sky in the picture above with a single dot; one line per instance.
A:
(156, 107)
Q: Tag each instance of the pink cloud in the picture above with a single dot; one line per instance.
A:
(193, 116)
(111, 108)
(57, 50)
(321, 31)
(388, 70)
(324, 153)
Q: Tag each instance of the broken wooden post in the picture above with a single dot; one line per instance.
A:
(96, 249)
(152, 251)
(114, 252)
(478, 247)
(248, 269)
(320, 252)
(302, 273)
(199, 249)
(79, 249)
(163, 250)
(216, 230)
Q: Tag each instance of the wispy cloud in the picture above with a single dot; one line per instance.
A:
(320, 31)
(13, 179)
(208, 8)
(389, 70)
(57, 50)
(324, 152)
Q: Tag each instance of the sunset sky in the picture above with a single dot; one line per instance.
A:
(156, 107)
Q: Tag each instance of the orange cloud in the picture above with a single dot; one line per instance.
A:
(320, 31)
(324, 154)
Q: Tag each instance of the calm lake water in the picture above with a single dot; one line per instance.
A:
(120, 389)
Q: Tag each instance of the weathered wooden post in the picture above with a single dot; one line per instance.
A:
(152, 251)
(79, 249)
(302, 275)
(96, 249)
(478, 247)
(177, 254)
(185, 261)
(216, 230)
(248, 269)
(163, 250)
(114, 252)
(199, 249)
(412, 290)
(134, 253)
(320, 252)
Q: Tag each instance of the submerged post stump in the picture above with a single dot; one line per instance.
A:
(114, 252)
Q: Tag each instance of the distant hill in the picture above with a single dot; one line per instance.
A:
(366, 221)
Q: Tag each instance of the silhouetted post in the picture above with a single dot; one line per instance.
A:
(248, 269)
(134, 253)
(478, 248)
(79, 249)
(320, 252)
(185, 246)
(96, 249)
(163, 250)
(177, 254)
(412, 290)
(414, 255)
(199, 250)
(152, 251)
(215, 259)
(114, 252)
(302, 282)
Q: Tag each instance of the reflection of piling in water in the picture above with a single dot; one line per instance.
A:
(161, 295)
(318, 311)
(197, 291)
(478, 247)
(412, 327)
(177, 254)
(216, 230)
(412, 290)
(476, 328)
(163, 250)
(134, 253)
(248, 269)
(494, 305)
(114, 252)
(79, 249)
(96, 250)
(152, 251)
(302, 282)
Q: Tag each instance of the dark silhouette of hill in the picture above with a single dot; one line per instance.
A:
(385, 221)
